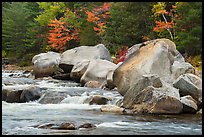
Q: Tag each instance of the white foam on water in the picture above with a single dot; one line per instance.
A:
(75, 99)
(34, 106)
(117, 124)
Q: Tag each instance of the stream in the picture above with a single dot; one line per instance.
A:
(20, 118)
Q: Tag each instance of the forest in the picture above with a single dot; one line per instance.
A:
(30, 28)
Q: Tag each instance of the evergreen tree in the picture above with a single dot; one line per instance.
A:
(130, 22)
(189, 28)
(18, 29)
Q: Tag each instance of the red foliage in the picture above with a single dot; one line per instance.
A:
(121, 54)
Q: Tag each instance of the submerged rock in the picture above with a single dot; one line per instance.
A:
(87, 125)
(20, 81)
(64, 126)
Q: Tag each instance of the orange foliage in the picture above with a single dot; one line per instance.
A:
(61, 34)
(92, 17)
(98, 16)
(161, 25)
(162, 12)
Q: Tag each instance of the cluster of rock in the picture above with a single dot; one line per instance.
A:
(154, 78)
(89, 65)
(64, 126)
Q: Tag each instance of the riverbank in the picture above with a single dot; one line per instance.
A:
(15, 67)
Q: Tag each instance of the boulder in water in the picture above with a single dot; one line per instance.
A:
(31, 93)
(189, 104)
(97, 70)
(79, 69)
(97, 99)
(65, 126)
(112, 109)
(74, 56)
(20, 94)
(154, 58)
(45, 64)
(188, 85)
(87, 125)
(163, 100)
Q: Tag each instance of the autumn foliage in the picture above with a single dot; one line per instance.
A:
(161, 25)
(60, 34)
(121, 55)
(98, 16)
(61, 31)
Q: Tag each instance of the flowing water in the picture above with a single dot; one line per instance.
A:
(21, 118)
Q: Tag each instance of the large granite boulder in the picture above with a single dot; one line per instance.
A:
(74, 56)
(45, 64)
(97, 70)
(156, 57)
(150, 79)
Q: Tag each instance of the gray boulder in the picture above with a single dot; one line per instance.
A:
(97, 99)
(109, 80)
(179, 68)
(189, 104)
(189, 84)
(97, 70)
(164, 100)
(31, 93)
(79, 69)
(143, 82)
(20, 94)
(74, 56)
(156, 57)
(45, 64)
